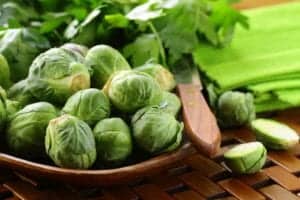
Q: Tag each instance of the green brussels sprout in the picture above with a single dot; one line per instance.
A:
(131, 90)
(105, 61)
(156, 131)
(70, 143)
(20, 47)
(274, 135)
(89, 105)
(4, 73)
(57, 74)
(3, 112)
(163, 76)
(81, 49)
(170, 103)
(246, 158)
(113, 141)
(12, 107)
(235, 109)
(20, 92)
(27, 128)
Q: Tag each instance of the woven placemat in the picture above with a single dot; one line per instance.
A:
(194, 178)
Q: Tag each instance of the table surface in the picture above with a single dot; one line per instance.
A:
(194, 178)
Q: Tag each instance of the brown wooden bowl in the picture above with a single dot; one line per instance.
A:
(94, 178)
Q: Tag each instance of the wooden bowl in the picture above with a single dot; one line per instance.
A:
(94, 178)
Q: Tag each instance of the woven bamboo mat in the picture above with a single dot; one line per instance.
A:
(194, 178)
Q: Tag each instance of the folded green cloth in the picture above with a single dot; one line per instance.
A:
(269, 49)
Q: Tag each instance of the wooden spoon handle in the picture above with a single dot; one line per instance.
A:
(200, 123)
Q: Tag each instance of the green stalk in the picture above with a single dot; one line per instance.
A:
(161, 47)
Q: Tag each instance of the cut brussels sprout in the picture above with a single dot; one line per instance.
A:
(89, 105)
(27, 128)
(4, 73)
(105, 61)
(246, 158)
(70, 143)
(163, 76)
(20, 92)
(57, 74)
(19, 47)
(113, 141)
(170, 103)
(274, 135)
(81, 49)
(156, 131)
(131, 90)
(235, 109)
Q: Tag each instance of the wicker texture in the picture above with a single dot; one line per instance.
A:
(194, 178)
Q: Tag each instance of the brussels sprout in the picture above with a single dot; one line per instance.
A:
(81, 49)
(27, 128)
(12, 107)
(4, 73)
(163, 76)
(70, 143)
(20, 47)
(170, 103)
(274, 135)
(131, 90)
(235, 109)
(89, 105)
(113, 141)
(105, 61)
(246, 158)
(57, 74)
(3, 112)
(156, 131)
(20, 92)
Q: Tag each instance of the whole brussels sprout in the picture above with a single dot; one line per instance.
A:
(163, 76)
(105, 60)
(113, 141)
(57, 74)
(4, 73)
(235, 109)
(131, 90)
(70, 143)
(171, 103)
(27, 128)
(20, 92)
(81, 49)
(19, 47)
(156, 131)
(89, 105)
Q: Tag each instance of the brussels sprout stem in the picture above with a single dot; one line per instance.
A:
(161, 47)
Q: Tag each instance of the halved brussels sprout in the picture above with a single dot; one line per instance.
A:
(246, 158)
(81, 49)
(113, 141)
(156, 131)
(57, 74)
(170, 103)
(20, 92)
(19, 47)
(235, 109)
(105, 61)
(4, 73)
(27, 128)
(163, 76)
(89, 105)
(274, 135)
(131, 90)
(70, 143)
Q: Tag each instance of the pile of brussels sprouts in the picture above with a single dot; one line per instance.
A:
(82, 108)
